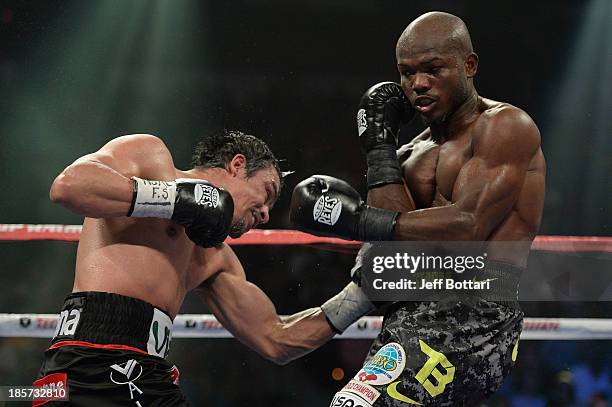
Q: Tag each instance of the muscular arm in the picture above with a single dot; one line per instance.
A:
(98, 185)
(250, 316)
(486, 188)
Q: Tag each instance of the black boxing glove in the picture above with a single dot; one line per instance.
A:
(204, 210)
(328, 206)
(382, 110)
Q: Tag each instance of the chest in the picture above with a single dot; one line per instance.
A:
(431, 169)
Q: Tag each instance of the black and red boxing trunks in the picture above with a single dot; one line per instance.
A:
(109, 350)
(449, 353)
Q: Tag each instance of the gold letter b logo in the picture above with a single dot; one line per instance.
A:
(430, 368)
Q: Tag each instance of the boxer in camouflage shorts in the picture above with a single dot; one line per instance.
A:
(476, 173)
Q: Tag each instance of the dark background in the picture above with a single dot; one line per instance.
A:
(74, 74)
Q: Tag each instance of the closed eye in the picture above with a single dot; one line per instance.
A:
(272, 194)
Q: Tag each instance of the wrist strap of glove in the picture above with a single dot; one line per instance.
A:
(376, 224)
(346, 307)
(152, 199)
(383, 166)
(356, 275)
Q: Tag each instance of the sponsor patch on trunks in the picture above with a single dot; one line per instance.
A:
(160, 334)
(366, 391)
(51, 387)
(384, 367)
(346, 399)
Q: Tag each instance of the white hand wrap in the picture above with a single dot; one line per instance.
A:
(153, 199)
(346, 307)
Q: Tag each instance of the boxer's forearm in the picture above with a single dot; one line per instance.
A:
(300, 334)
(93, 189)
(247, 312)
(394, 197)
(440, 223)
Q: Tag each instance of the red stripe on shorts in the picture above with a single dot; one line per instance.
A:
(97, 346)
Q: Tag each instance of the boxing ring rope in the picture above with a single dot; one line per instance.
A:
(206, 326)
(71, 233)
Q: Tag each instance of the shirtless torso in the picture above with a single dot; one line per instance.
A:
(450, 172)
(153, 260)
(150, 259)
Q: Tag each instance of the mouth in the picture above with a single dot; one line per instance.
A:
(424, 104)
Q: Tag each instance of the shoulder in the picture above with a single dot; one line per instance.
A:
(227, 261)
(145, 154)
(214, 263)
(506, 130)
(146, 143)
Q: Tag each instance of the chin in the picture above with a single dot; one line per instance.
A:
(235, 234)
(434, 119)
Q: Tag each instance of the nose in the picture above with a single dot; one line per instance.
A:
(421, 83)
(264, 213)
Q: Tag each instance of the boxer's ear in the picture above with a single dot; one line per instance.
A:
(471, 65)
(237, 165)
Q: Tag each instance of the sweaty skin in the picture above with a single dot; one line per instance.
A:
(153, 260)
(477, 172)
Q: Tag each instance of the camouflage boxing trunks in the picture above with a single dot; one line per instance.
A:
(453, 352)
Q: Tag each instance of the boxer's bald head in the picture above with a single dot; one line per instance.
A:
(437, 31)
(437, 64)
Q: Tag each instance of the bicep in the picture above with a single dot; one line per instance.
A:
(242, 307)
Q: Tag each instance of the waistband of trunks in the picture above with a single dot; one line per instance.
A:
(503, 284)
(497, 282)
(507, 276)
(113, 319)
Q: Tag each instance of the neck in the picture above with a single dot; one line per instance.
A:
(457, 120)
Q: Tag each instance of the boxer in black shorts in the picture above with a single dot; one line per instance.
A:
(110, 350)
(152, 233)
(476, 173)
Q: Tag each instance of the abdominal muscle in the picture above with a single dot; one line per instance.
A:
(147, 259)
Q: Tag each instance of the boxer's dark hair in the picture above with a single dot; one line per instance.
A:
(218, 149)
